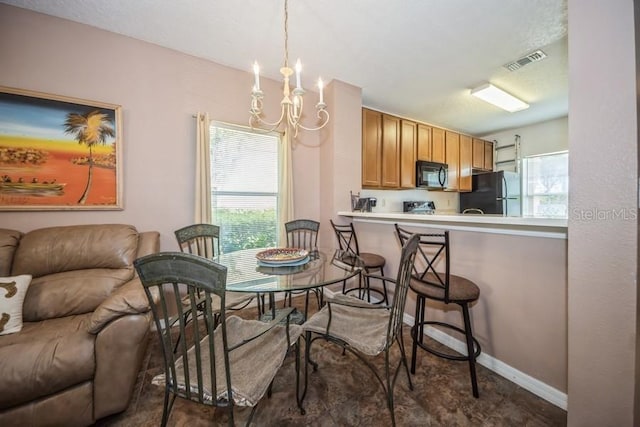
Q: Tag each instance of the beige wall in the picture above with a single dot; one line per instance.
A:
(603, 172)
(159, 91)
(340, 162)
(540, 138)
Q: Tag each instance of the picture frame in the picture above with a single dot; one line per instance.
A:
(59, 153)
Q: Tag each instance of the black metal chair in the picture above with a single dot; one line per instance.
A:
(303, 234)
(348, 242)
(445, 287)
(204, 240)
(211, 365)
(366, 329)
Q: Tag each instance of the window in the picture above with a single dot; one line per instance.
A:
(244, 186)
(546, 185)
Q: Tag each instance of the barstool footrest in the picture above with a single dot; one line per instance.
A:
(419, 343)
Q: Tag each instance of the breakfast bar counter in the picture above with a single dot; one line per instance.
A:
(498, 224)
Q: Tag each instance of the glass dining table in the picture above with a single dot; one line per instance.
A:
(324, 267)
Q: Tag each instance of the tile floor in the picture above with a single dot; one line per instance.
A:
(343, 392)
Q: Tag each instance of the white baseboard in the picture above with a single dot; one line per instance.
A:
(525, 381)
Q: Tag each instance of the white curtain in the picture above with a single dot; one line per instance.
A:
(285, 186)
(203, 171)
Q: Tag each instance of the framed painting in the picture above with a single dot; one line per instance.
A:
(59, 153)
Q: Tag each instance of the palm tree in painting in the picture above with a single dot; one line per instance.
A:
(91, 128)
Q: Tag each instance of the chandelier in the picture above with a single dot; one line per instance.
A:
(292, 100)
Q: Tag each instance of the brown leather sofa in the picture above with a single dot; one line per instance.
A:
(86, 323)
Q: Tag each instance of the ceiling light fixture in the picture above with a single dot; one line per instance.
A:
(292, 102)
(491, 94)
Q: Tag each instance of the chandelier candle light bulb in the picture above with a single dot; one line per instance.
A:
(321, 88)
(256, 72)
(298, 69)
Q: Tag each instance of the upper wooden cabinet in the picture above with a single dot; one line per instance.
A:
(380, 150)
(391, 146)
(424, 143)
(390, 151)
(371, 148)
(478, 153)
(488, 155)
(452, 159)
(465, 163)
(482, 155)
(437, 145)
(408, 143)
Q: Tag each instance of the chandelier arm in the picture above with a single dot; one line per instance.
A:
(274, 125)
(320, 114)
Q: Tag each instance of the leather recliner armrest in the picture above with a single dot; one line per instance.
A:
(130, 298)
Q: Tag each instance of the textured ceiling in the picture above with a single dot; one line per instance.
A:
(413, 58)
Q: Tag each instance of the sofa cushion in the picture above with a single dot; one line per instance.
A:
(128, 299)
(71, 292)
(78, 247)
(8, 243)
(12, 292)
(44, 358)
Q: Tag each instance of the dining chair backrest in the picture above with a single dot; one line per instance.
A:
(403, 278)
(433, 251)
(199, 239)
(302, 233)
(347, 239)
(167, 277)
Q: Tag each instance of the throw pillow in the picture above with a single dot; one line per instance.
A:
(12, 293)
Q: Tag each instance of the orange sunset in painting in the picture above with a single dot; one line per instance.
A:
(56, 154)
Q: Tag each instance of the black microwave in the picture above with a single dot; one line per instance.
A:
(431, 175)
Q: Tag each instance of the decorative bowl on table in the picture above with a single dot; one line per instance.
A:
(280, 257)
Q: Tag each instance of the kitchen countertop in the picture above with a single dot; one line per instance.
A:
(498, 224)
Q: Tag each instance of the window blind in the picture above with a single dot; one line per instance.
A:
(244, 186)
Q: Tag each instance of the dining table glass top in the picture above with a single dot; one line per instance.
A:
(325, 267)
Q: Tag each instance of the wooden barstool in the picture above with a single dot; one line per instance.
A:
(348, 242)
(433, 251)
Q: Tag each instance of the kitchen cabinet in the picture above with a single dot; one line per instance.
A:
(408, 147)
(478, 153)
(482, 155)
(371, 148)
(488, 155)
(438, 145)
(391, 146)
(452, 159)
(424, 142)
(380, 150)
(390, 151)
(465, 163)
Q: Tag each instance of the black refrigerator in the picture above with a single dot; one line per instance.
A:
(493, 193)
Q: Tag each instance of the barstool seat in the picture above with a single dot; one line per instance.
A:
(461, 289)
(372, 261)
(445, 287)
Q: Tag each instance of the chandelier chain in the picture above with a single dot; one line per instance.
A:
(286, 33)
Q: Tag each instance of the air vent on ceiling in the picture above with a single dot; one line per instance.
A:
(532, 57)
